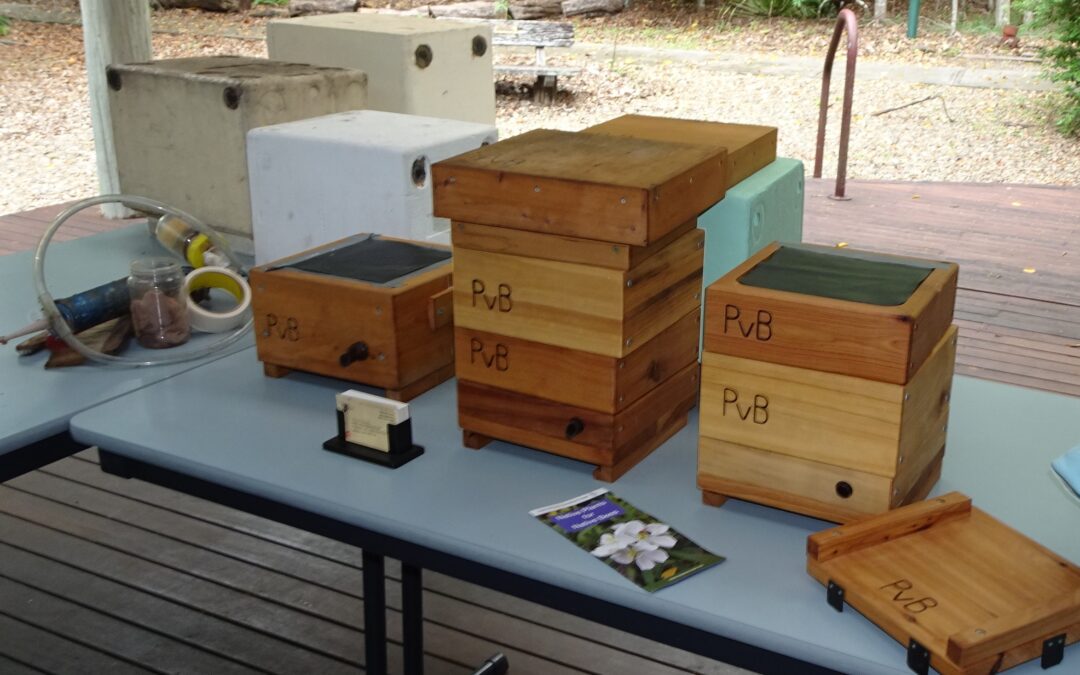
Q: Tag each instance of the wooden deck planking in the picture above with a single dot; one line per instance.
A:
(1018, 305)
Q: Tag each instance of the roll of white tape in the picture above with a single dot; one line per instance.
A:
(209, 321)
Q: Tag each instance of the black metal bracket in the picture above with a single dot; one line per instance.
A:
(918, 657)
(834, 594)
(1053, 651)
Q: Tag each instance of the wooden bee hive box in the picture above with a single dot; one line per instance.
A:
(842, 311)
(591, 186)
(591, 308)
(790, 416)
(749, 147)
(963, 592)
(367, 309)
(577, 302)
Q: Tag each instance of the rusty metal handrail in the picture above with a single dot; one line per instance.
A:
(845, 20)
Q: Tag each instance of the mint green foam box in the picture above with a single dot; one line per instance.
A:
(765, 207)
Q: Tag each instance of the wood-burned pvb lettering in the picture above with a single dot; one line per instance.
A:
(499, 358)
(289, 330)
(756, 411)
(502, 300)
(760, 327)
(911, 603)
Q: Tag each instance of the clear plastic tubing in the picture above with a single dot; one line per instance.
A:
(63, 330)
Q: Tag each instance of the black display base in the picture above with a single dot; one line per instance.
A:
(392, 460)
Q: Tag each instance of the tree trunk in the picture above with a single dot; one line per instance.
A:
(880, 9)
(535, 9)
(305, 7)
(1004, 10)
(955, 17)
(591, 7)
(114, 31)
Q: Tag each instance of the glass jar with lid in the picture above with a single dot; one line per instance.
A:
(158, 308)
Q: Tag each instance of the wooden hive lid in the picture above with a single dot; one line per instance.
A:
(592, 186)
(750, 147)
(977, 595)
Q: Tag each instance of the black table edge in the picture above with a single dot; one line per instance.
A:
(38, 454)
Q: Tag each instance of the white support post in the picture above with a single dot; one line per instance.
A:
(114, 31)
(1004, 13)
(880, 9)
(955, 19)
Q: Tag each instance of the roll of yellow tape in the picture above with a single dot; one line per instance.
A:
(209, 321)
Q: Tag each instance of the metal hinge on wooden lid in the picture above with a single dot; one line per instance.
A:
(834, 594)
(918, 657)
(1053, 651)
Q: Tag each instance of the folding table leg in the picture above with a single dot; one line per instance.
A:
(374, 613)
(412, 618)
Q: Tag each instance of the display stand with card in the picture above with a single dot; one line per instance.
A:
(373, 429)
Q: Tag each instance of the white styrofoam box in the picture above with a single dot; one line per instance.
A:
(179, 125)
(415, 65)
(322, 179)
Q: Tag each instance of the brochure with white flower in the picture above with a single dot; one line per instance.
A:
(633, 543)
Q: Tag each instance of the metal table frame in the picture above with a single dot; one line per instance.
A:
(414, 559)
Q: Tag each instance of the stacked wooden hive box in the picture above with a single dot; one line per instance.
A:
(577, 290)
(825, 380)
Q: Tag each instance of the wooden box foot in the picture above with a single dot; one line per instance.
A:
(713, 498)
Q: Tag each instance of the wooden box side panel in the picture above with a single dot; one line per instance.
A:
(658, 359)
(692, 193)
(424, 344)
(823, 417)
(924, 426)
(783, 328)
(749, 147)
(683, 258)
(600, 439)
(790, 483)
(298, 326)
(494, 239)
(549, 205)
(558, 374)
(934, 314)
(574, 377)
(556, 303)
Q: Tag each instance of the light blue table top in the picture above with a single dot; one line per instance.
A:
(36, 403)
(264, 436)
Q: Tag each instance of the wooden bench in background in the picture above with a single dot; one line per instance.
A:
(538, 34)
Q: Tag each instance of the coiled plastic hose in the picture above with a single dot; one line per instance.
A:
(60, 327)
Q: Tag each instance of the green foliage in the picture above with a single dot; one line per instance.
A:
(797, 9)
(5, 25)
(1063, 58)
(793, 8)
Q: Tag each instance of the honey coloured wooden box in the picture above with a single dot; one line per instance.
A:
(832, 446)
(862, 314)
(592, 186)
(749, 147)
(368, 309)
(613, 442)
(963, 592)
(609, 311)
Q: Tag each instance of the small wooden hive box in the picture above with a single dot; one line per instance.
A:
(577, 302)
(368, 309)
(825, 380)
(964, 593)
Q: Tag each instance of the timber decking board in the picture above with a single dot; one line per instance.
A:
(72, 532)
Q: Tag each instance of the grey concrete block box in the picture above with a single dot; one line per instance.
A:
(415, 65)
(180, 125)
